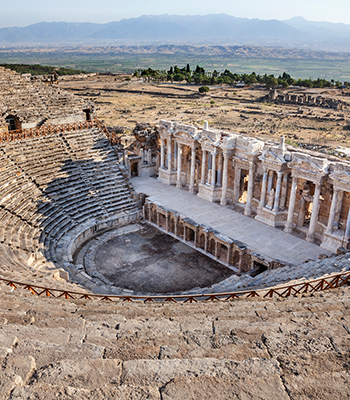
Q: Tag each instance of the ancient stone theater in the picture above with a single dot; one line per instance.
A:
(175, 265)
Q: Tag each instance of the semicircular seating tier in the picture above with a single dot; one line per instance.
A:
(50, 185)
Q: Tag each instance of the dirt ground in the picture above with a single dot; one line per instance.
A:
(124, 103)
(150, 261)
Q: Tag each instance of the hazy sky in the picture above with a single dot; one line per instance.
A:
(25, 12)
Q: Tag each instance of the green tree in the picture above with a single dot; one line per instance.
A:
(270, 81)
(188, 77)
(203, 89)
(199, 70)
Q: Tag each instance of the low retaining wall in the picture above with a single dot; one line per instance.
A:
(74, 239)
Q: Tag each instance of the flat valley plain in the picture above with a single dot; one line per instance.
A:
(124, 103)
(240, 59)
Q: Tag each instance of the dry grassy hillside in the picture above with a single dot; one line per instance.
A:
(122, 102)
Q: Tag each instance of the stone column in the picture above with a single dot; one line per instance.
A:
(278, 190)
(175, 153)
(236, 183)
(219, 180)
(213, 171)
(206, 242)
(167, 222)
(209, 163)
(204, 170)
(176, 220)
(248, 206)
(284, 191)
(179, 156)
(169, 154)
(193, 168)
(184, 236)
(150, 212)
(332, 210)
(263, 189)
(347, 229)
(310, 237)
(158, 223)
(269, 186)
(289, 225)
(223, 200)
(216, 249)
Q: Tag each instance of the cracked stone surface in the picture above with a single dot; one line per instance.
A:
(296, 348)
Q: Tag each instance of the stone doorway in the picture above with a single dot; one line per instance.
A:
(134, 169)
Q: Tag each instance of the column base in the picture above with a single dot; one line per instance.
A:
(223, 202)
(310, 237)
(288, 229)
(209, 193)
(271, 217)
(192, 189)
(178, 184)
(248, 211)
(168, 177)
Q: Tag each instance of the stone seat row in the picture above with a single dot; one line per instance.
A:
(45, 192)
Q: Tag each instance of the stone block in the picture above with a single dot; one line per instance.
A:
(61, 275)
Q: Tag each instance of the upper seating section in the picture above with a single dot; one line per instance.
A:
(34, 103)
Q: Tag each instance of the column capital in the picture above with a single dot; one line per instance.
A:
(227, 152)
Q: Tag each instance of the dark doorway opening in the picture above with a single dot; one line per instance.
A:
(257, 269)
(12, 123)
(134, 169)
(87, 114)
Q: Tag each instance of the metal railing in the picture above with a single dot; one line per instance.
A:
(54, 129)
(307, 287)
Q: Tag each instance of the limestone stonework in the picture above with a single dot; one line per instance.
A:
(279, 185)
(60, 189)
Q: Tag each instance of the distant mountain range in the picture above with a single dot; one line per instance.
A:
(209, 29)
